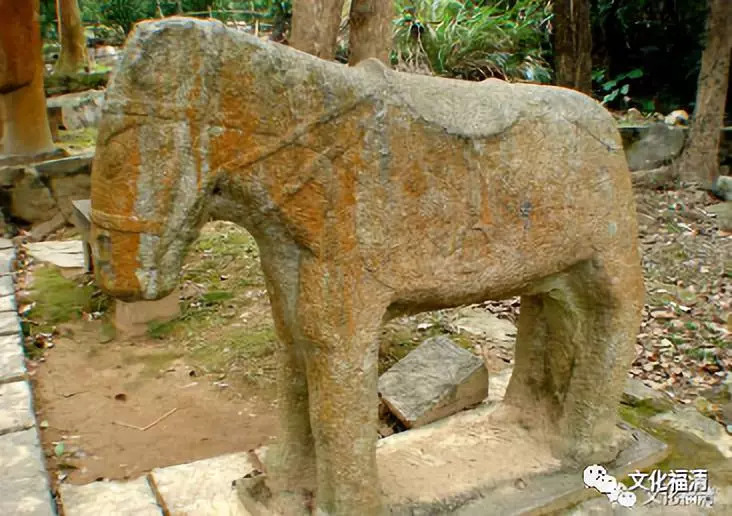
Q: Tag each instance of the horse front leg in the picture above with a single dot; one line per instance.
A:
(290, 463)
(340, 320)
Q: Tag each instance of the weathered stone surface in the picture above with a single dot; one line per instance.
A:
(601, 506)
(10, 174)
(67, 166)
(12, 361)
(722, 186)
(6, 244)
(78, 110)
(203, 488)
(497, 385)
(133, 319)
(67, 254)
(24, 488)
(30, 199)
(435, 380)
(636, 392)
(9, 323)
(40, 231)
(19, 160)
(81, 217)
(7, 286)
(67, 189)
(131, 498)
(7, 258)
(16, 409)
(7, 304)
(495, 331)
(469, 465)
(371, 194)
(723, 211)
(657, 145)
(688, 419)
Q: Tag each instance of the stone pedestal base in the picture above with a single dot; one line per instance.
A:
(132, 319)
(469, 464)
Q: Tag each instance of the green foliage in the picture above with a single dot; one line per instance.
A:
(125, 13)
(664, 38)
(620, 85)
(469, 40)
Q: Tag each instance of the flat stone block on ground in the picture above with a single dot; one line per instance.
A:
(203, 488)
(6, 244)
(12, 360)
(7, 287)
(7, 304)
(636, 392)
(132, 319)
(689, 420)
(435, 380)
(24, 489)
(67, 254)
(7, 256)
(9, 323)
(16, 407)
(133, 498)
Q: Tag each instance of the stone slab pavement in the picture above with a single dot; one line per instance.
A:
(24, 484)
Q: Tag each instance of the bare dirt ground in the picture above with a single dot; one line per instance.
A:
(211, 371)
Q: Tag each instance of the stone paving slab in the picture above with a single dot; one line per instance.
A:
(7, 303)
(134, 498)
(7, 287)
(12, 362)
(67, 254)
(24, 488)
(204, 487)
(7, 256)
(16, 407)
(9, 323)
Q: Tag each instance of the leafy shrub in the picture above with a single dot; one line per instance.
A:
(469, 40)
(618, 87)
(125, 13)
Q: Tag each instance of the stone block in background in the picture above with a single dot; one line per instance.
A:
(435, 380)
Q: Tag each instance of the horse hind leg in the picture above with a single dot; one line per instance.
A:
(575, 344)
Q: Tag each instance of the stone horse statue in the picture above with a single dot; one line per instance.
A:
(372, 194)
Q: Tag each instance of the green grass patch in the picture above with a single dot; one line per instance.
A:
(236, 345)
(81, 138)
(216, 297)
(160, 330)
(58, 299)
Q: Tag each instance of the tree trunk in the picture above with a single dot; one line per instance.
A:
(573, 45)
(315, 26)
(73, 55)
(16, 70)
(700, 159)
(23, 102)
(370, 30)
